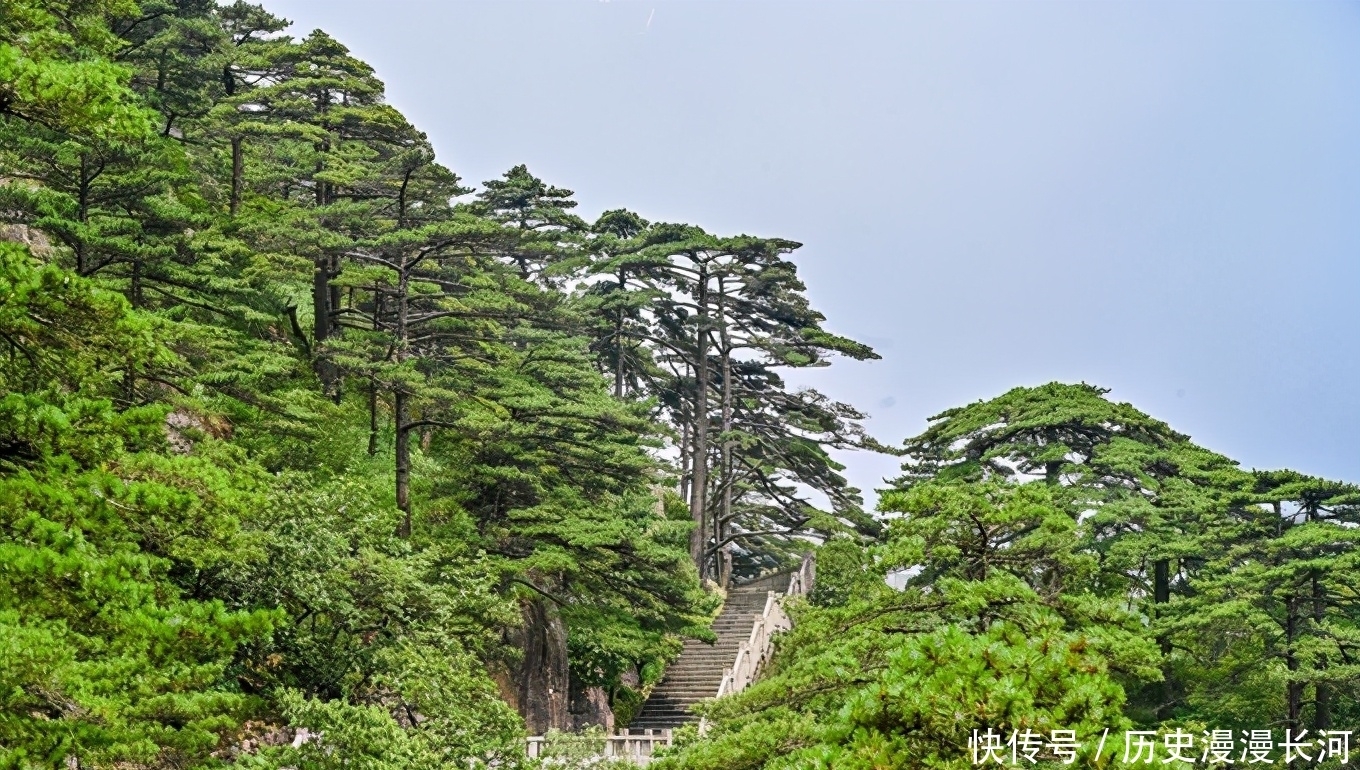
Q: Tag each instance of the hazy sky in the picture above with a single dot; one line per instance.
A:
(1159, 198)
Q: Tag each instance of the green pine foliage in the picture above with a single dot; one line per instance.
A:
(1064, 562)
(306, 449)
(298, 436)
(106, 654)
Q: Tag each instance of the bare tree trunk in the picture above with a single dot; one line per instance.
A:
(698, 506)
(618, 343)
(321, 303)
(321, 321)
(321, 327)
(1051, 472)
(1161, 584)
(130, 382)
(325, 299)
(618, 357)
(333, 301)
(724, 518)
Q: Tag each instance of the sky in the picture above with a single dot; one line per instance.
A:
(1159, 198)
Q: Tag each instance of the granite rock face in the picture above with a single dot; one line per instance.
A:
(590, 706)
(35, 240)
(539, 685)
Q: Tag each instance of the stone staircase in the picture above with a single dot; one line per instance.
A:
(698, 672)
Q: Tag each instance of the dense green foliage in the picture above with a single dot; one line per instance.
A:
(311, 457)
(1069, 563)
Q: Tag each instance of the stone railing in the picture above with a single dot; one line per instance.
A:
(800, 582)
(755, 651)
(637, 746)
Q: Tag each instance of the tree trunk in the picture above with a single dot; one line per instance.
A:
(1052, 472)
(321, 324)
(238, 169)
(82, 215)
(699, 493)
(403, 453)
(130, 382)
(1161, 594)
(1322, 708)
(403, 405)
(333, 303)
(372, 417)
(724, 518)
(684, 454)
(324, 299)
(135, 287)
(1161, 587)
(321, 278)
(618, 343)
(1294, 687)
(373, 387)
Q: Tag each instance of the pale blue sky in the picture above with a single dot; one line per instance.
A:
(1160, 198)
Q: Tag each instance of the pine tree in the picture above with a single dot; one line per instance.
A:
(538, 212)
(108, 660)
(716, 318)
(996, 629)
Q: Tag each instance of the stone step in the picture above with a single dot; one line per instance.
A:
(686, 697)
(689, 699)
(723, 644)
(697, 673)
(713, 676)
(664, 719)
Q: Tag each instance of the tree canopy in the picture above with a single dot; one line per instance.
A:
(1065, 562)
(312, 455)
